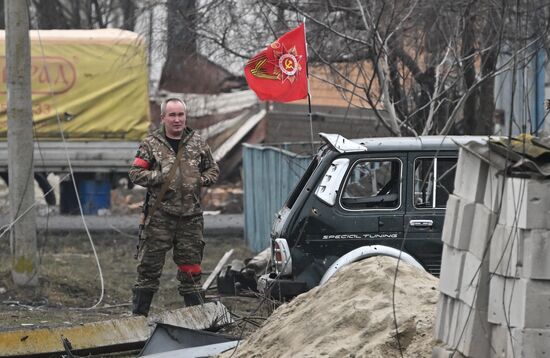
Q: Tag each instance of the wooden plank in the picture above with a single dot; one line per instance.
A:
(207, 104)
(217, 270)
(236, 138)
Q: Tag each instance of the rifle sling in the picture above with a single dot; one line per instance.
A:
(170, 177)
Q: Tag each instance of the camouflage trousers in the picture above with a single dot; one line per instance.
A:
(181, 234)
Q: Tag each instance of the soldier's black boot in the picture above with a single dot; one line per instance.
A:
(142, 301)
(193, 299)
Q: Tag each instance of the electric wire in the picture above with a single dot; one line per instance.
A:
(28, 183)
(269, 289)
(485, 254)
(403, 242)
(491, 235)
(7, 228)
(71, 172)
(500, 201)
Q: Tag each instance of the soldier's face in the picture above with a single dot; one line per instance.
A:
(174, 119)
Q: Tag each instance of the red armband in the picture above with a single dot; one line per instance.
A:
(190, 269)
(138, 162)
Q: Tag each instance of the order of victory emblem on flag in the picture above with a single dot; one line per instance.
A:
(278, 73)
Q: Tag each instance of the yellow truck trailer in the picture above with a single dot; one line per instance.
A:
(89, 87)
(92, 83)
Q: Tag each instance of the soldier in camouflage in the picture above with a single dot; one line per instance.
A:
(174, 219)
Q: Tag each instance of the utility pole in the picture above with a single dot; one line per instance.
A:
(20, 145)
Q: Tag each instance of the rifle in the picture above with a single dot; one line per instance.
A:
(143, 217)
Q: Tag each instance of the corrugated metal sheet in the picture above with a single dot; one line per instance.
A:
(269, 175)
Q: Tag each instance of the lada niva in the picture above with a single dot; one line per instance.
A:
(359, 198)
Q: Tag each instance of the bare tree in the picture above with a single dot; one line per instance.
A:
(181, 40)
(129, 9)
(87, 14)
(48, 15)
(426, 67)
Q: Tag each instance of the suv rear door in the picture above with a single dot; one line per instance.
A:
(368, 209)
(426, 204)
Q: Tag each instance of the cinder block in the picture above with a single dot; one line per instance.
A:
(503, 294)
(454, 325)
(443, 318)
(500, 341)
(520, 253)
(519, 343)
(505, 251)
(474, 289)
(442, 352)
(536, 254)
(471, 336)
(493, 190)
(483, 224)
(464, 223)
(449, 225)
(526, 203)
(529, 343)
(471, 177)
(450, 277)
(519, 303)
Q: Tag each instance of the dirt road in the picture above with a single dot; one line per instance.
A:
(70, 282)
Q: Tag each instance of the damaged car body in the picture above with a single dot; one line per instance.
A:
(362, 198)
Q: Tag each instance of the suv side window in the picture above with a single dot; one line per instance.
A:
(373, 184)
(426, 194)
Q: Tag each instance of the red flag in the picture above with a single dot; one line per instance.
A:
(278, 73)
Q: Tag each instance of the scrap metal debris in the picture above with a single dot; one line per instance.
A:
(68, 348)
(168, 338)
(525, 154)
(106, 336)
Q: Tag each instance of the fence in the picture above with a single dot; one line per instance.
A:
(269, 174)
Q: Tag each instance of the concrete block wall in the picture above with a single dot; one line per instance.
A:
(524, 203)
(495, 272)
(518, 342)
(519, 302)
(519, 265)
(492, 198)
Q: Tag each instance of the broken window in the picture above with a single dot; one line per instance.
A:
(426, 194)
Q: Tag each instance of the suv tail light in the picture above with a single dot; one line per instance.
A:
(281, 256)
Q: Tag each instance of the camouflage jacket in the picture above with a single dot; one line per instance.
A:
(197, 168)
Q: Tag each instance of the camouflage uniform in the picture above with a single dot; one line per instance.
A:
(178, 222)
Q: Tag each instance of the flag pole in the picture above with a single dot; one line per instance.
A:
(308, 94)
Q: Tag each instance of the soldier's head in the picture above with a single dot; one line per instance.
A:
(173, 113)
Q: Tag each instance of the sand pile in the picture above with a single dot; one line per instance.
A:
(352, 316)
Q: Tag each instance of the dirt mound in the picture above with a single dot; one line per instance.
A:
(353, 315)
